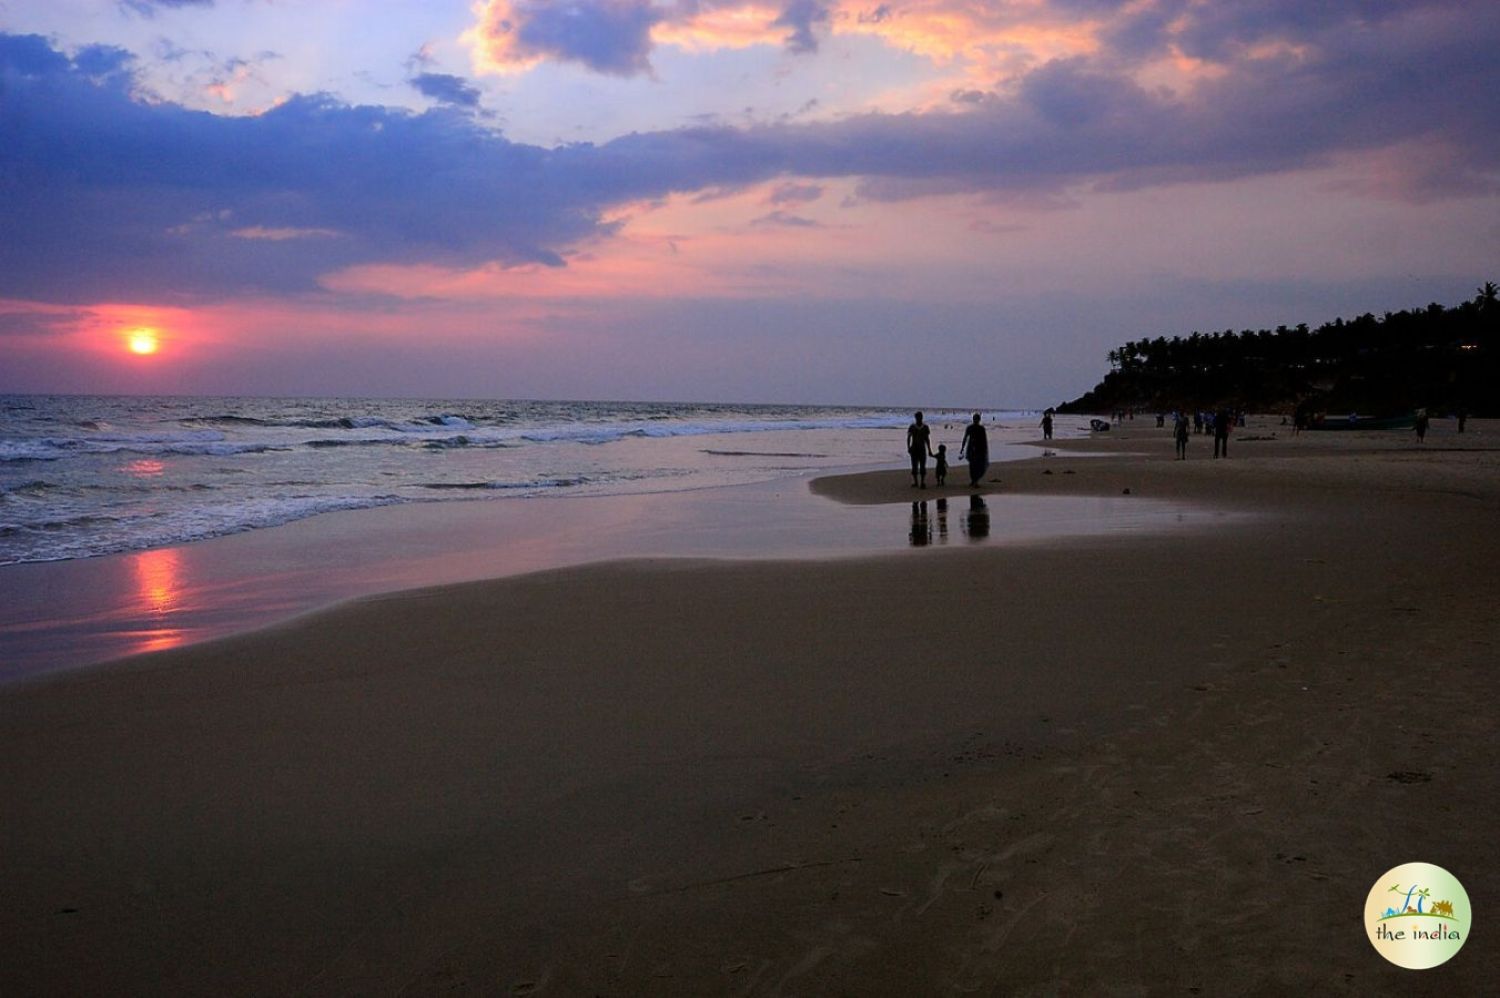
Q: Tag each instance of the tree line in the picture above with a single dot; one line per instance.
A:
(1441, 358)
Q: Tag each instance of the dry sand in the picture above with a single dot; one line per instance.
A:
(1167, 763)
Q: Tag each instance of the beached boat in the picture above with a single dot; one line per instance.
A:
(1352, 422)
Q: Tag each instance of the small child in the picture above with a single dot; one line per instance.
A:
(941, 468)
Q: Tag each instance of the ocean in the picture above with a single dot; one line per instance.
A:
(82, 476)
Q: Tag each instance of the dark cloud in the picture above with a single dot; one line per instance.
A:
(608, 36)
(38, 322)
(103, 60)
(148, 8)
(785, 220)
(614, 36)
(970, 96)
(802, 16)
(795, 194)
(1143, 31)
(103, 195)
(1213, 31)
(446, 89)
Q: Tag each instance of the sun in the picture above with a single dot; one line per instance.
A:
(143, 340)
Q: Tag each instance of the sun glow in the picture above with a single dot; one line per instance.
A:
(143, 340)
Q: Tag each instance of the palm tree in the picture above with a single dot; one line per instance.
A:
(1486, 297)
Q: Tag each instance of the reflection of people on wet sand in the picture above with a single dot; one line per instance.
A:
(976, 446)
(918, 446)
(940, 468)
(977, 520)
(942, 518)
(921, 530)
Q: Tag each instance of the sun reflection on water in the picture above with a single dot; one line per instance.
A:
(159, 590)
(143, 468)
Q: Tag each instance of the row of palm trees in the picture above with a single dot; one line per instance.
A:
(1437, 355)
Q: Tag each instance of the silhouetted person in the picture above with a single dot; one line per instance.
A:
(977, 519)
(1222, 419)
(1463, 417)
(1180, 435)
(1047, 425)
(1421, 425)
(940, 466)
(918, 446)
(921, 531)
(1197, 421)
(976, 447)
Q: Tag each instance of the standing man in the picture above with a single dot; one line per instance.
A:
(976, 446)
(1047, 425)
(1222, 419)
(918, 446)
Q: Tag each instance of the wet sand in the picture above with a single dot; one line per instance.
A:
(1129, 764)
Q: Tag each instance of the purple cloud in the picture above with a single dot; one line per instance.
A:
(148, 8)
(607, 36)
(105, 195)
(785, 220)
(802, 16)
(795, 193)
(446, 89)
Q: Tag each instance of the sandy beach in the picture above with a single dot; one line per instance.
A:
(1165, 762)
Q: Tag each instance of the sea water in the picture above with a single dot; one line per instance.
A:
(82, 476)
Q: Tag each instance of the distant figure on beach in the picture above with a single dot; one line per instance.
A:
(976, 446)
(940, 466)
(1421, 425)
(1197, 420)
(1047, 425)
(1222, 419)
(977, 520)
(1180, 427)
(918, 446)
(1463, 417)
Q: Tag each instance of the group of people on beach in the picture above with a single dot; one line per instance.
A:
(1217, 423)
(974, 448)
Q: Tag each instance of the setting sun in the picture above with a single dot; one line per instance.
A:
(143, 341)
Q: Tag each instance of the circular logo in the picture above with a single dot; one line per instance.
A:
(1417, 915)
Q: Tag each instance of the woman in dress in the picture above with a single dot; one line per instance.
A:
(976, 449)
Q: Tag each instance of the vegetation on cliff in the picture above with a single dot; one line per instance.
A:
(1443, 359)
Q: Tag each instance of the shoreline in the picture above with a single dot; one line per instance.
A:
(891, 774)
(86, 612)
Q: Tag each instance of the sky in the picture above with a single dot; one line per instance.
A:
(939, 202)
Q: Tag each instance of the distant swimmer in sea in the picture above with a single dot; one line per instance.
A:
(1180, 429)
(940, 466)
(918, 446)
(976, 447)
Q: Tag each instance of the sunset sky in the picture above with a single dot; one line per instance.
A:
(905, 202)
